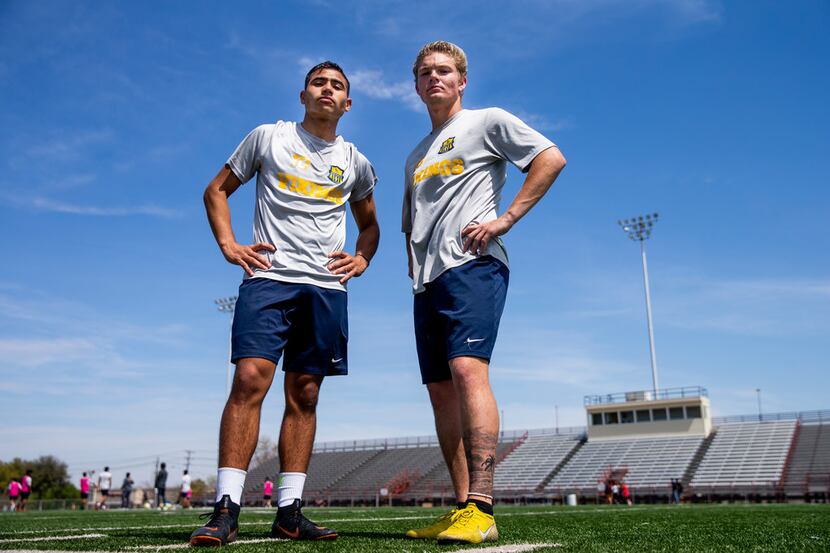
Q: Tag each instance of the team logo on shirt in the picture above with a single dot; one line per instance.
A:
(444, 168)
(447, 145)
(310, 189)
(300, 161)
(336, 174)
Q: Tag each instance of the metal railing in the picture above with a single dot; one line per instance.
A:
(822, 415)
(647, 395)
(432, 441)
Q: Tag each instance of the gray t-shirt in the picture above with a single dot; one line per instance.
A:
(455, 177)
(303, 185)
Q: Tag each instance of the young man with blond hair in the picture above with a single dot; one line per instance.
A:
(293, 298)
(453, 183)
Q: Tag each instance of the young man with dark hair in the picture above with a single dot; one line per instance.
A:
(25, 489)
(184, 495)
(84, 490)
(14, 494)
(293, 298)
(453, 183)
(126, 491)
(160, 485)
(104, 487)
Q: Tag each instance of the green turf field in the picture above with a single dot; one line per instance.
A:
(585, 528)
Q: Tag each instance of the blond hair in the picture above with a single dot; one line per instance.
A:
(443, 47)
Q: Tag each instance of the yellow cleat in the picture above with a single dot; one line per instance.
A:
(431, 532)
(470, 525)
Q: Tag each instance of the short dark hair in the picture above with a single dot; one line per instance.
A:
(326, 65)
(106, 469)
(164, 465)
(185, 471)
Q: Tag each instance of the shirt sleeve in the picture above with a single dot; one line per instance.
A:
(406, 210)
(512, 139)
(247, 158)
(366, 179)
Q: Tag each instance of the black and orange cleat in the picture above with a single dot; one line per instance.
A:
(222, 527)
(291, 524)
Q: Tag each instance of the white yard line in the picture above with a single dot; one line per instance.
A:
(517, 547)
(500, 514)
(47, 551)
(187, 545)
(108, 528)
(55, 538)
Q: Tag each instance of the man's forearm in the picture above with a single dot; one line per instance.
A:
(544, 170)
(219, 215)
(367, 241)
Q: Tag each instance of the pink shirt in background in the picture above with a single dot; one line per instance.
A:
(14, 488)
(27, 484)
(267, 488)
(85, 484)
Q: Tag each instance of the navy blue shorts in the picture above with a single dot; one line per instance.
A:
(308, 322)
(458, 314)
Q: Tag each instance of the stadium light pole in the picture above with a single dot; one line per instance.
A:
(758, 392)
(639, 229)
(227, 305)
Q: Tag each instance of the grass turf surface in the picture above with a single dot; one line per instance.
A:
(584, 528)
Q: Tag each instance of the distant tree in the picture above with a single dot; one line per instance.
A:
(50, 478)
(266, 451)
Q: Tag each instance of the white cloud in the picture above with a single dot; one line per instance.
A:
(373, 84)
(38, 352)
(760, 307)
(542, 122)
(67, 146)
(54, 206)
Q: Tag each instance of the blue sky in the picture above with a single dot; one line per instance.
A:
(117, 114)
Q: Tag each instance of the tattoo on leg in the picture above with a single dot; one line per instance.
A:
(489, 463)
(480, 448)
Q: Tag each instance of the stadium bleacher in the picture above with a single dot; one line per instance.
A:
(527, 466)
(809, 467)
(411, 462)
(742, 455)
(649, 463)
(324, 471)
(748, 455)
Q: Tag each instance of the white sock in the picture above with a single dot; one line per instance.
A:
(230, 482)
(290, 487)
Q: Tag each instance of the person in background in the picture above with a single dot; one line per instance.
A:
(626, 494)
(184, 496)
(25, 489)
(600, 491)
(14, 494)
(84, 490)
(160, 485)
(267, 491)
(126, 490)
(104, 486)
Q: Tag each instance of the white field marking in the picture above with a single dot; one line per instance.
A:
(187, 545)
(47, 551)
(328, 520)
(517, 547)
(55, 538)
(107, 528)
